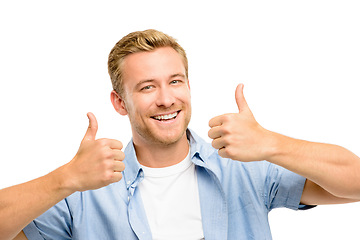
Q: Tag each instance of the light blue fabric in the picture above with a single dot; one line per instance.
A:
(235, 200)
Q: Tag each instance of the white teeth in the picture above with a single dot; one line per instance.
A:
(166, 117)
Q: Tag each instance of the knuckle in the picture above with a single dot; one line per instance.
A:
(227, 129)
(216, 144)
(226, 152)
(122, 156)
(226, 140)
(119, 166)
(210, 133)
(103, 155)
(120, 145)
(122, 166)
(106, 166)
(213, 144)
(117, 177)
(109, 165)
(106, 153)
(107, 176)
(119, 155)
(222, 153)
(212, 122)
(102, 141)
(226, 117)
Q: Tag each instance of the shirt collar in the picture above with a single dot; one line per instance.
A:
(203, 154)
(199, 153)
(132, 166)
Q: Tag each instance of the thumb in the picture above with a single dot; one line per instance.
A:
(240, 99)
(92, 129)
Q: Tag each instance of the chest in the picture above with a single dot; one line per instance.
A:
(219, 209)
(172, 204)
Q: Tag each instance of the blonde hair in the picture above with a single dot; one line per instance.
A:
(134, 42)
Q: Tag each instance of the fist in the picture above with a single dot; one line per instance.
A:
(97, 163)
(237, 135)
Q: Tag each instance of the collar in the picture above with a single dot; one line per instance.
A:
(199, 153)
(199, 150)
(132, 167)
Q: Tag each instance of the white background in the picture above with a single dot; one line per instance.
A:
(299, 61)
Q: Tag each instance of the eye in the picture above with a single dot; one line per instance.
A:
(175, 81)
(148, 87)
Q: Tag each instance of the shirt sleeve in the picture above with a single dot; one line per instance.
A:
(283, 188)
(53, 224)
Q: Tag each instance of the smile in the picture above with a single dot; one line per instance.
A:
(166, 116)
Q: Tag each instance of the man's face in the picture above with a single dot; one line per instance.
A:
(157, 96)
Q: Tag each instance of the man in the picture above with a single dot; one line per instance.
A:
(174, 186)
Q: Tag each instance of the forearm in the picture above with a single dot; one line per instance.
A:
(22, 203)
(240, 137)
(332, 167)
(98, 163)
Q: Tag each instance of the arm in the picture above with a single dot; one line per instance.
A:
(333, 172)
(20, 236)
(334, 168)
(96, 164)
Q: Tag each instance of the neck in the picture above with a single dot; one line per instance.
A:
(159, 155)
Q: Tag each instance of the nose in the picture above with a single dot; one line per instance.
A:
(165, 98)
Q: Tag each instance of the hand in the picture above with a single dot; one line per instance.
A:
(237, 135)
(97, 162)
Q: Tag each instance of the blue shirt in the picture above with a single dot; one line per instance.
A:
(235, 199)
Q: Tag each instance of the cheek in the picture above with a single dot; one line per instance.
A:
(141, 105)
(185, 97)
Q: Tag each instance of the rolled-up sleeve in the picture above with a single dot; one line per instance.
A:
(284, 188)
(53, 224)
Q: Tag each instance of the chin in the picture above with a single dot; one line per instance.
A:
(152, 134)
(168, 139)
(165, 138)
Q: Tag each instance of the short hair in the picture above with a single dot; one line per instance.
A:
(139, 41)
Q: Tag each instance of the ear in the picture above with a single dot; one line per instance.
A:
(118, 103)
(188, 83)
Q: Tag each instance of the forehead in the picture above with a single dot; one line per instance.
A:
(158, 64)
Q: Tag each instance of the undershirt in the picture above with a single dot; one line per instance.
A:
(171, 200)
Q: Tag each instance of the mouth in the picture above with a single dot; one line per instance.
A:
(166, 117)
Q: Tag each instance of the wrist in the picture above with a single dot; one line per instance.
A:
(276, 147)
(63, 181)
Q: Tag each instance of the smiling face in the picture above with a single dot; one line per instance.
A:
(157, 96)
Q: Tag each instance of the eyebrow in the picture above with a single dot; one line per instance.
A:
(177, 75)
(142, 82)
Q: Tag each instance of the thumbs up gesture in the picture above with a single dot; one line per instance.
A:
(237, 135)
(97, 163)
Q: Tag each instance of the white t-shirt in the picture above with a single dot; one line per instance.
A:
(171, 199)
